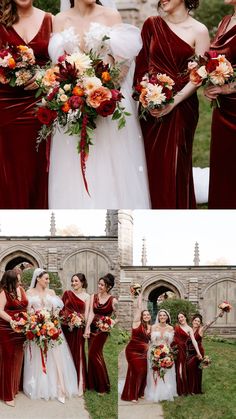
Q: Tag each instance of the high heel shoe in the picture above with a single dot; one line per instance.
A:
(61, 399)
(10, 403)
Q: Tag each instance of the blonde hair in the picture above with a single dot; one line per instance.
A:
(8, 13)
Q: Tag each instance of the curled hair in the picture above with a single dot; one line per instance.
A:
(8, 13)
(8, 282)
(109, 280)
(82, 279)
(197, 316)
(184, 314)
(168, 320)
(143, 323)
(72, 3)
(189, 4)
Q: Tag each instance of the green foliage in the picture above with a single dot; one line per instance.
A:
(201, 144)
(55, 282)
(176, 305)
(123, 337)
(210, 12)
(52, 6)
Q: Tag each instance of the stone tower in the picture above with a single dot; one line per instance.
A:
(125, 234)
(144, 253)
(196, 259)
(112, 223)
(53, 225)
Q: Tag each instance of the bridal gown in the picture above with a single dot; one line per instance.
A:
(116, 166)
(162, 389)
(60, 377)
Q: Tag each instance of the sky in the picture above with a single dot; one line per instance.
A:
(171, 236)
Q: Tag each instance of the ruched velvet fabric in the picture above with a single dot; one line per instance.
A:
(136, 355)
(194, 373)
(11, 349)
(181, 339)
(23, 170)
(98, 378)
(168, 141)
(75, 339)
(222, 191)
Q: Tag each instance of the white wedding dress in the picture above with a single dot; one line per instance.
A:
(162, 389)
(116, 167)
(61, 377)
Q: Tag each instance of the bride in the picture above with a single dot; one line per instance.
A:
(116, 166)
(60, 378)
(161, 389)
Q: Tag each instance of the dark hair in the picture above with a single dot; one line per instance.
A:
(8, 13)
(143, 323)
(184, 314)
(8, 282)
(168, 316)
(72, 3)
(109, 280)
(189, 4)
(82, 279)
(39, 276)
(197, 316)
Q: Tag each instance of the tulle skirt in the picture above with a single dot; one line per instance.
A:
(116, 166)
(60, 377)
(161, 389)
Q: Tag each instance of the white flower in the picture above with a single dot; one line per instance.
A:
(61, 91)
(94, 38)
(22, 76)
(91, 83)
(202, 72)
(155, 95)
(81, 61)
(221, 73)
(63, 98)
(4, 61)
(67, 87)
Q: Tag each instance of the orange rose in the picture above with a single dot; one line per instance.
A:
(97, 96)
(143, 99)
(106, 76)
(66, 107)
(11, 63)
(194, 77)
(77, 91)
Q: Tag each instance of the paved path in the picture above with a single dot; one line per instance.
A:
(140, 410)
(42, 409)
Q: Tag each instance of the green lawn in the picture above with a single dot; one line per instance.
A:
(219, 386)
(106, 407)
(201, 144)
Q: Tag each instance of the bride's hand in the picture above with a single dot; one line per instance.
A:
(31, 84)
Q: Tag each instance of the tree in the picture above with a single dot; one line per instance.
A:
(174, 306)
(210, 12)
(52, 6)
(55, 282)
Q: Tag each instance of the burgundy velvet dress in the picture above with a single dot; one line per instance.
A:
(181, 339)
(194, 373)
(11, 349)
(98, 379)
(75, 339)
(136, 355)
(168, 141)
(222, 190)
(23, 169)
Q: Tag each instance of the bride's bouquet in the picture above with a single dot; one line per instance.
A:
(161, 359)
(153, 92)
(78, 89)
(17, 65)
(105, 323)
(211, 70)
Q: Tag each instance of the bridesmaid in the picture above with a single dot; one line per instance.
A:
(136, 355)
(194, 373)
(168, 43)
(102, 304)
(12, 301)
(222, 193)
(23, 170)
(182, 334)
(77, 301)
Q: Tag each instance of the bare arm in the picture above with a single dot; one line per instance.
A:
(115, 309)
(90, 318)
(191, 334)
(3, 301)
(137, 304)
(87, 305)
(208, 324)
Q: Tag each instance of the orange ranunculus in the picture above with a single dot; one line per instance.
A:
(106, 76)
(22, 48)
(66, 107)
(77, 91)
(97, 96)
(143, 98)
(194, 77)
(11, 63)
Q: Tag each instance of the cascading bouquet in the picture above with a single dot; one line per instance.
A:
(17, 65)
(225, 306)
(105, 323)
(153, 92)
(78, 89)
(161, 359)
(211, 70)
(74, 320)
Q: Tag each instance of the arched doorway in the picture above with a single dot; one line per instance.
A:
(223, 290)
(159, 294)
(21, 261)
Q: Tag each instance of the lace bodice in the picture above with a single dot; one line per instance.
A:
(101, 39)
(50, 302)
(157, 337)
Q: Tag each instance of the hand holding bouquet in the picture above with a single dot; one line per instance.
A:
(17, 65)
(19, 321)
(205, 362)
(225, 306)
(105, 323)
(135, 289)
(75, 320)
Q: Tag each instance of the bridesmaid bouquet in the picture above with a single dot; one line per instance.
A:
(16, 65)
(154, 92)
(205, 362)
(225, 306)
(19, 321)
(212, 69)
(161, 359)
(105, 324)
(135, 289)
(78, 89)
(75, 320)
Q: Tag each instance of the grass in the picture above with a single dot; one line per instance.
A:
(219, 386)
(201, 144)
(106, 407)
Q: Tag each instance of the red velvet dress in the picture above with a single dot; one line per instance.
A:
(222, 190)
(136, 355)
(11, 349)
(23, 170)
(75, 338)
(181, 339)
(98, 379)
(168, 142)
(194, 373)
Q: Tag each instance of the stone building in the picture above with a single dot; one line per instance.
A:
(205, 286)
(94, 256)
(136, 11)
